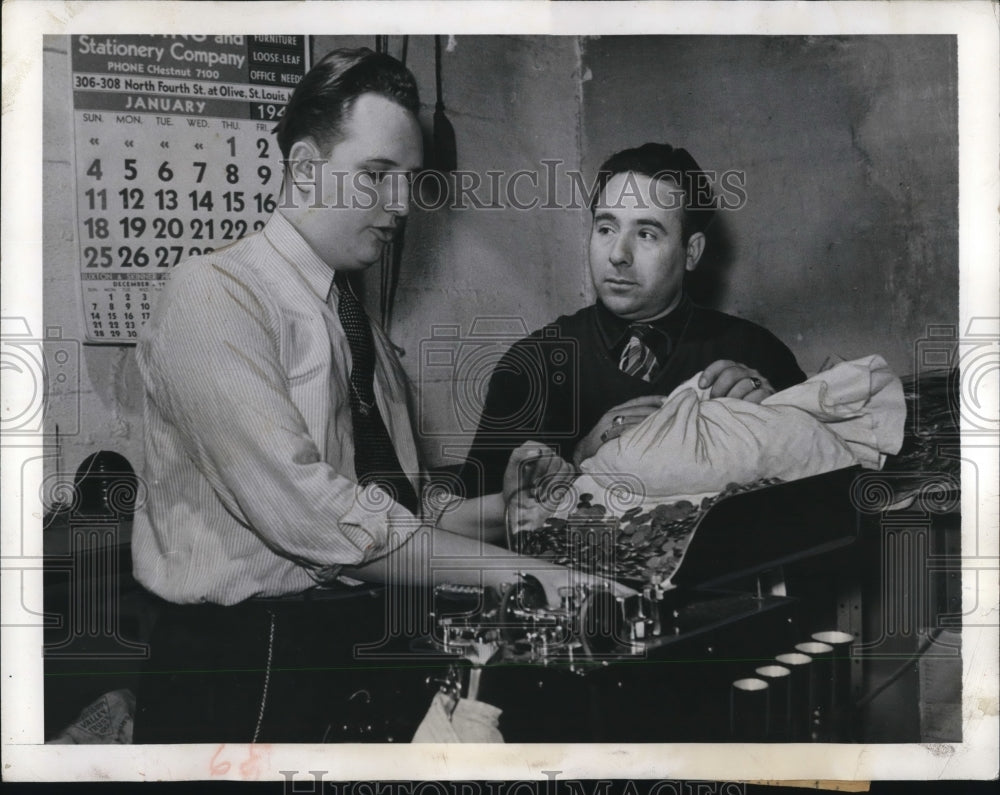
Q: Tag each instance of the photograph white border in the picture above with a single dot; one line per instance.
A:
(25, 758)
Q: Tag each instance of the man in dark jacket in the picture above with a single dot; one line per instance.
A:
(583, 379)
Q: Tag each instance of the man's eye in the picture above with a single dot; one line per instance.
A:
(646, 234)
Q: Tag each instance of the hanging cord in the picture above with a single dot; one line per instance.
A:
(392, 253)
(444, 150)
(439, 105)
(267, 677)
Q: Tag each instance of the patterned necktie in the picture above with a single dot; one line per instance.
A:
(638, 358)
(375, 459)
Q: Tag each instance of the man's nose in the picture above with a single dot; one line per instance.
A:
(396, 198)
(621, 252)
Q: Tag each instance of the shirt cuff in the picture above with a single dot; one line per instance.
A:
(376, 524)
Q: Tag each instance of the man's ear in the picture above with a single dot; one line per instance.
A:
(695, 247)
(301, 162)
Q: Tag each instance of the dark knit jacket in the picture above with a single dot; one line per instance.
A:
(555, 384)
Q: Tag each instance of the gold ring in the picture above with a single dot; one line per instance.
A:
(757, 383)
(619, 420)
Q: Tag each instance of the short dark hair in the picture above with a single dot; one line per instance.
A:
(660, 161)
(323, 99)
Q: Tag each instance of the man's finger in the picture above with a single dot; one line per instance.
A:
(521, 466)
(711, 373)
(727, 380)
(627, 417)
(631, 418)
(530, 449)
(646, 401)
(622, 591)
(741, 382)
(616, 588)
(551, 466)
(619, 424)
(614, 430)
(741, 388)
(529, 455)
(540, 468)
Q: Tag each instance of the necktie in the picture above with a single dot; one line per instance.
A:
(375, 459)
(638, 358)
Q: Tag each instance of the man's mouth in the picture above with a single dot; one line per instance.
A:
(384, 233)
(620, 282)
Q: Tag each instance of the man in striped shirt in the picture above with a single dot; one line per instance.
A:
(279, 450)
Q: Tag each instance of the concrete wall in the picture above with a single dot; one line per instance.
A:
(848, 244)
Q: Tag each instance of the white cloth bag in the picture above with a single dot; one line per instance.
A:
(853, 413)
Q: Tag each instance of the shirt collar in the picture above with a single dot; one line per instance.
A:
(288, 242)
(613, 330)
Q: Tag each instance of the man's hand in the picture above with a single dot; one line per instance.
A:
(534, 483)
(536, 470)
(553, 581)
(732, 379)
(614, 422)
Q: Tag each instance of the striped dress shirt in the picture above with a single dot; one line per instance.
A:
(249, 452)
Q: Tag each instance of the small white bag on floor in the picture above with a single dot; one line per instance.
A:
(461, 721)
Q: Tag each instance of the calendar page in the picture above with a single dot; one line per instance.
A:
(174, 157)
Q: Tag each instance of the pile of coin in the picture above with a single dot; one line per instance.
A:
(643, 545)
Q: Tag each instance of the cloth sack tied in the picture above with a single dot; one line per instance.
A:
(853, 413)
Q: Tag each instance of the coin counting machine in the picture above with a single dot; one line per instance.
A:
(729, 650)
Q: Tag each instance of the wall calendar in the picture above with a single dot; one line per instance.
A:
(174, 157)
